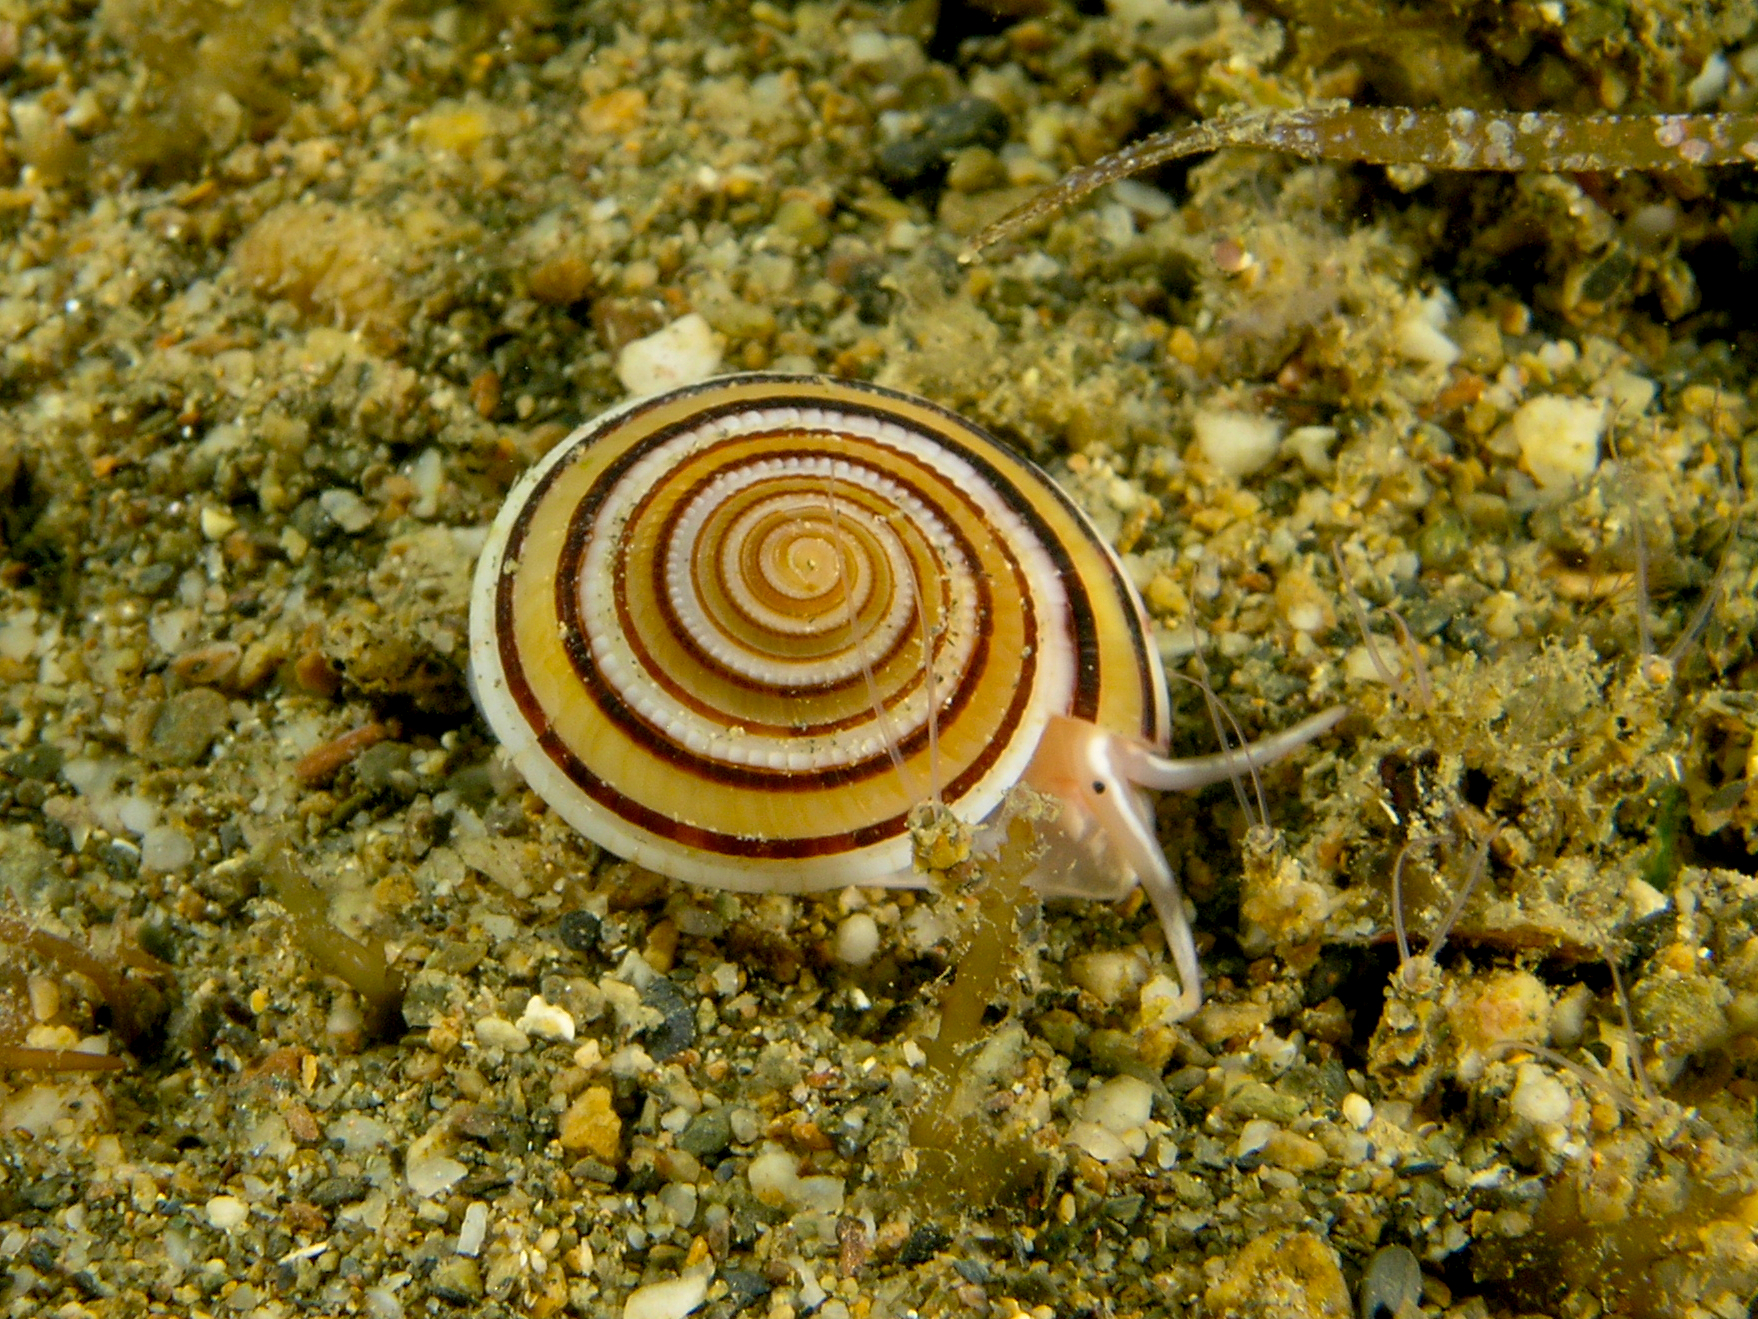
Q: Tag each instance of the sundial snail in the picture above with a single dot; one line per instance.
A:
(735, 632)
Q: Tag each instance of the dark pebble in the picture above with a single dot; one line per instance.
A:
(55, 834)
(971, 1270)
(1124, 1208)
(591, 1170)
(968, 121)
(498, 1131)
(121, 860)
(334, 1191)
(155, 578)
(39, 762)
(743, 1289)
(1391, 1284)
(317, 526)
(708, 1134)
(927, 1241)
(678, 1031)
(229, 887)
(579, 931)
(50, 1193)
(385, 768)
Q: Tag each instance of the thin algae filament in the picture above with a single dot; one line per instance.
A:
(1549, 142)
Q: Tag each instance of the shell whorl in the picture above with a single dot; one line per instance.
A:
(699, 623)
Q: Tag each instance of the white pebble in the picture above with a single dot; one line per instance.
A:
(1120, 1105)
(679, 1199)
(137, 814)
(474, 1229)
(1110, 976)
(1629, 394)
(164, 850)
(857, 939)
(672, 1299)
(1162, 1002)
(745, 1125)
(682, 353)
(1357, 1112)
(1421, 333)
(1711, 81)
(1253, 1136)
(545, 1020)
(1312, 445)
(1643, 899)
(428, 1170)
(227, 1212)
(1105, 1146)
(499, 1033)
(1559, 438)
(1238, 443)
(1539, 1097)
(775, 1181)
(346, 509)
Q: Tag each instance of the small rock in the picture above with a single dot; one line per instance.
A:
(798, 219)
(39, 762)
(474, 1229)
(186, 726)
(682, 353)
(562, 280)
(927, 1241)
(1103, 1145)
(676, 1030)
(346, 509)
(946, 129)
(672, 1299)
(1357, 1111)
(1120, 1105)
(591, 1126)
(1559, 438)
(708, 1134)
(1280, 1275)
(776, 1182)
(227, 1212)
(545, 1020)
(428, 1169)
(1538, 1097)
(1253, 1136)
(1110, 977)
(579, 931)
(457, 1280)
(1295, 1153)
(1391, 1286)
(743, 1288)
(1238, 443)
(385, 767)
(857, 939)
(334, 1191)
(499, 1033)
(164, 850)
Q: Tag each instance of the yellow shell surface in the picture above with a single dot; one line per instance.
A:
(699, 626)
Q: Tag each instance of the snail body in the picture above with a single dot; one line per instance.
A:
(735, 632)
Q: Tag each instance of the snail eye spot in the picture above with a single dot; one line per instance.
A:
(1099, 787)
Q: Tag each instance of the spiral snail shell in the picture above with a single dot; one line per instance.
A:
(737, 631)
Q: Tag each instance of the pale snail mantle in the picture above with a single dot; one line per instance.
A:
(698, 627)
